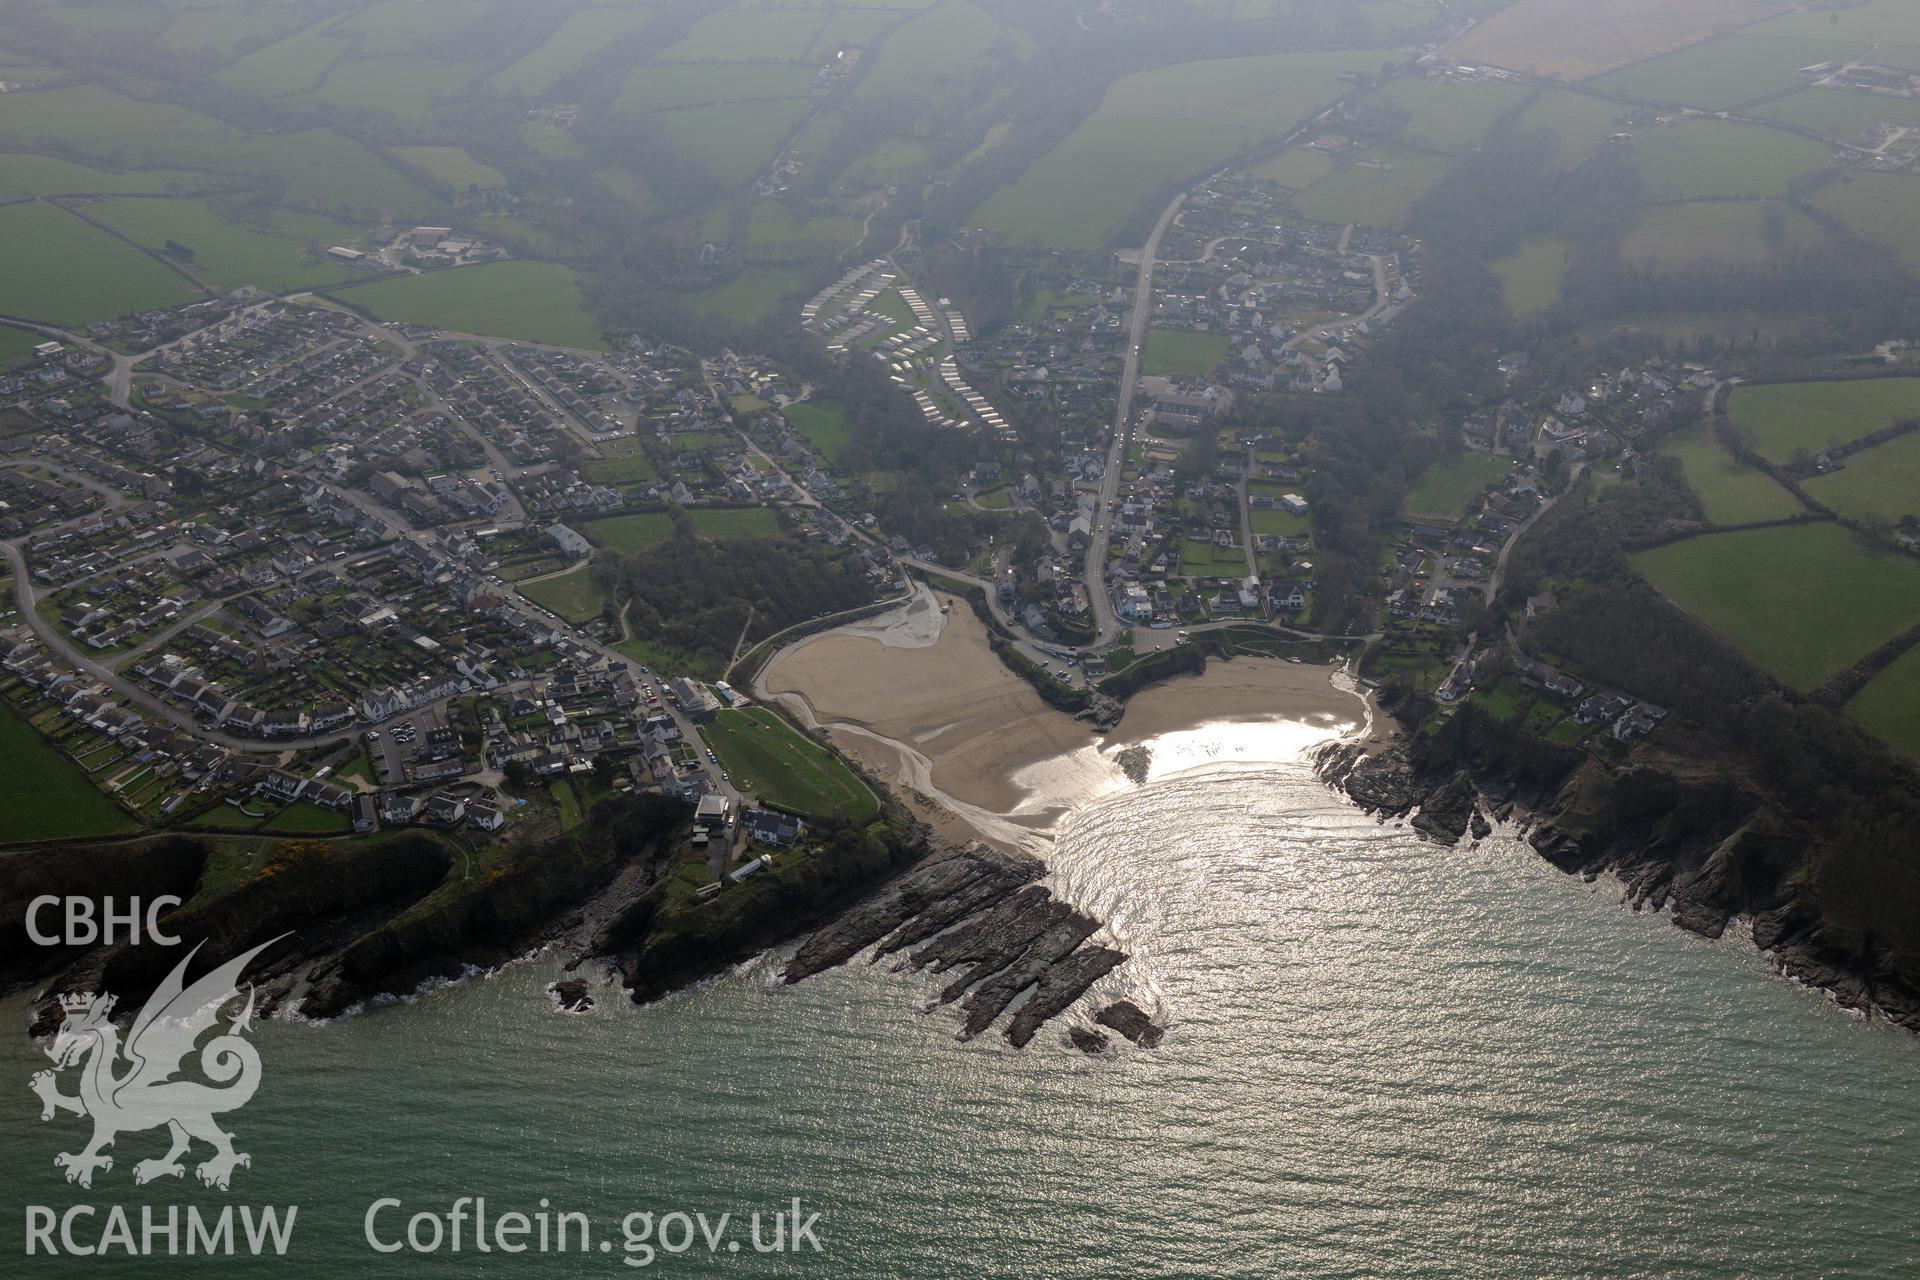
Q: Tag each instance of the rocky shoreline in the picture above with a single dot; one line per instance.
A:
(979, 913)
(1692, 843)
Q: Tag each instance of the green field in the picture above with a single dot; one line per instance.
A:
(303, 819)
(651, 528)
(404, 87)
(1839, 113)
(1448, 115)
(1701, 158)
(1280, 522)
(1076, 195)
(768, 758)
(526, 301)
(684, 84)
(404, 26)
(935, 55)
(733, 140)
(452, 168)
(1788, 416)
(773, 233)
(1719, 233)
(585, 33)
(26, 174)
(1731, 493)
(1803, 601)
(316, 167)
(291, 66)
(59, 269)
(224, 27)
(1881, 481)
(1268, 94)
(1896, 21)
(633, 468)
(824, 424)
(1531, 275)
(1378, 189)
(1171, 351)
(890, 161)
(1724, 72)
(1890, 704)
(748, 35)
(45, 795)
(1295, 168)
(1204, 560)
(1880, 206)
(1154, 129)
(1578, 123)
(573, 595)
(1442, 491)
(751, 296)
(269, 249)
(16, 345)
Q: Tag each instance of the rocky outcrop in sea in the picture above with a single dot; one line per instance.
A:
(978, 915)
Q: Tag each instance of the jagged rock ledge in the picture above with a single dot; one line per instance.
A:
(1698, 845)
(976, 913)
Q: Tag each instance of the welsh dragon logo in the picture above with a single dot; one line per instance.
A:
(132, 1085)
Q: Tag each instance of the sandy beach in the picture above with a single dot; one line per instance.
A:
(919, 697)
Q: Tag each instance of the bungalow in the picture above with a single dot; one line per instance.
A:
(364, 819)
(1286, 597)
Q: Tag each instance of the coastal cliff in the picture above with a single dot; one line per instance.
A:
(361, 918)
(1681, 833)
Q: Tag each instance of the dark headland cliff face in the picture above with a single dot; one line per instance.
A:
(1699, 842)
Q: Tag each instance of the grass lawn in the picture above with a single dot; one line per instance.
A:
(1880, 206)
(45, 795)
(1268, 94)
(1442, 491)
(1180, 351)
(59, 269)
(1531, 275)
(529, 301)
(567, 802)
(302, 818)
(634, 468)
(1699, 158)
(573, 595)
(1890, 704)
(268, 249)
(1803, 601)
(1274, 520)
(768, 758)
(1724, 72)
(1881, 481)
(651, 528)
(1788, 416)
(1719, 233)
(1378, 189)
(1204, 560)
(1733, 494)
(824, 424)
